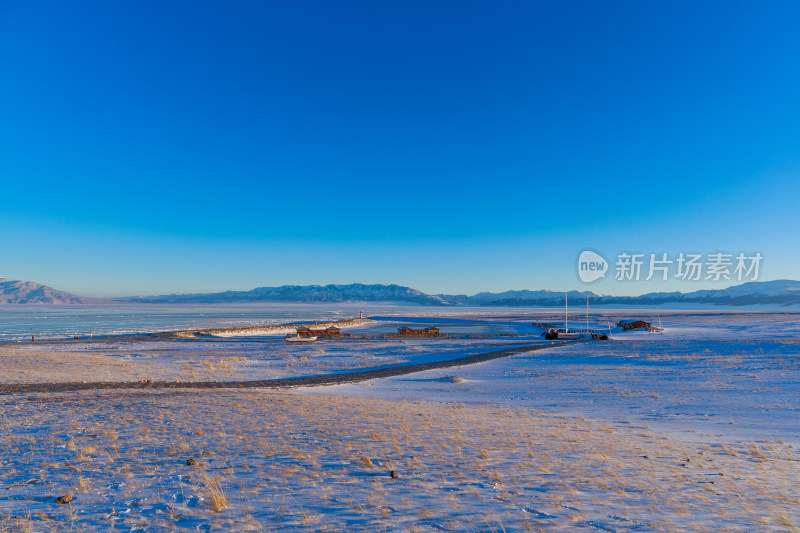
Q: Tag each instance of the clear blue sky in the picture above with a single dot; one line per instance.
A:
(150, 147)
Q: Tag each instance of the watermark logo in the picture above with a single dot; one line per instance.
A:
(631, 266)
(689, 267)
(591, 266)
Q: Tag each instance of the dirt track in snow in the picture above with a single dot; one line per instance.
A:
(309, 381)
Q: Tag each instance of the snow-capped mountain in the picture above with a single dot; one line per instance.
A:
(305, 293)
(29, 292)
(781, 292)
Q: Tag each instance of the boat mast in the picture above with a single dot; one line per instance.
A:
(566, 314)
(587, 313)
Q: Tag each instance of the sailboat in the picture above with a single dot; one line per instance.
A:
(659, 329)
(566, 335)
(294, 337)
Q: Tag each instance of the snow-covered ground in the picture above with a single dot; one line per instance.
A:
(239, 360)
(694, 428)
(700, 388)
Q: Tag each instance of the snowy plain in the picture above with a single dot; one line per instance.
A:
(690, 429)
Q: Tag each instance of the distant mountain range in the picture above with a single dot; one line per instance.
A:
(780, 292)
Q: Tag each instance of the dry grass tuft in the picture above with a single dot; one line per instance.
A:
(213, 487)
(366, 462)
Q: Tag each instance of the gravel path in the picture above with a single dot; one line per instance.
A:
(310, 381)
